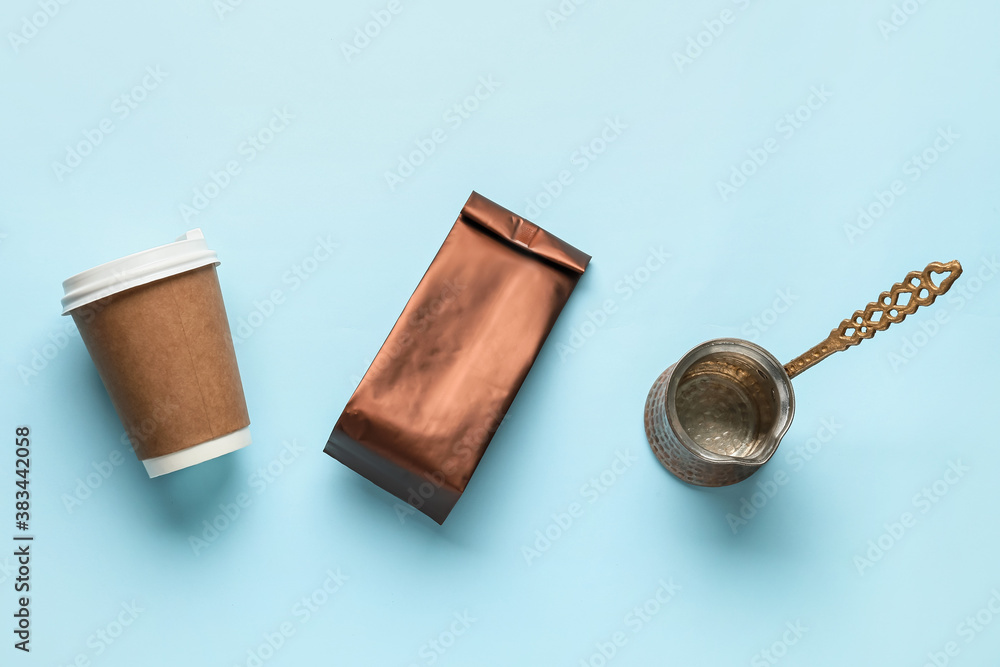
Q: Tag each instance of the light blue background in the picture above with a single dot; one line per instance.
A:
(901, 419)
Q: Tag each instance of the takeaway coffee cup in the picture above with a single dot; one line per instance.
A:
(156, 327)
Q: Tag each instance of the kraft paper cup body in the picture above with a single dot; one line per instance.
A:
(155, 325)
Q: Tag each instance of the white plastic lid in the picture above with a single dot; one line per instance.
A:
(185, 458)
(188, 252)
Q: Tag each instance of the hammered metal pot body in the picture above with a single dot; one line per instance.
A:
(717, 415)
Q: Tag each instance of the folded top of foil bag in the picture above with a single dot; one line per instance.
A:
(429, 404)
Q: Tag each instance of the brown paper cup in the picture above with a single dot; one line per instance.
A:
(155, 325)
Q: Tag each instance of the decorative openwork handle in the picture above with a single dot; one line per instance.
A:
(917, 289)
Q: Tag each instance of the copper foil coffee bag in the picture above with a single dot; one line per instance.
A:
(429, 404)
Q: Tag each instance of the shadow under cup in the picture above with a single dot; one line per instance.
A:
(718, 414)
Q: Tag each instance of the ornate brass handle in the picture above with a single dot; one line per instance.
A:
(917, 289)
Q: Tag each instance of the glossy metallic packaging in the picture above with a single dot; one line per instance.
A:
(429, 404)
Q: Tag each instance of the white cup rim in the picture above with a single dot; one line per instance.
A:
(188, 252)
